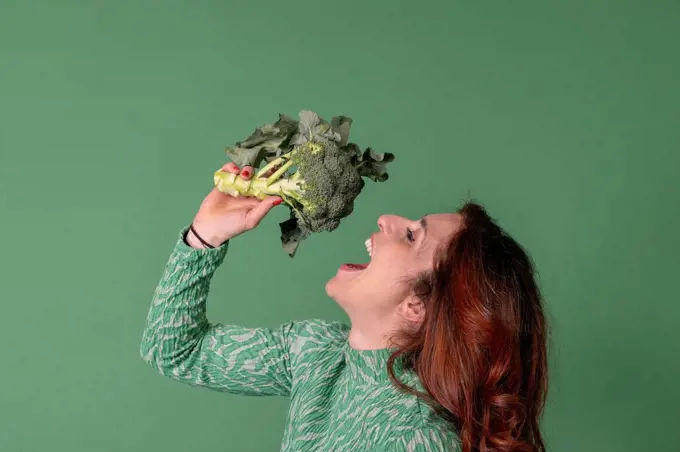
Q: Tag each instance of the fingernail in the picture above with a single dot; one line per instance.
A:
(246, 173)
(278, 201)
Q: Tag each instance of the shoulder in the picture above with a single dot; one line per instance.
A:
(423, 431)
(323, 330)
(415, 426)
(315, 335)
(424, 439)
(314, 346)
(320, 328)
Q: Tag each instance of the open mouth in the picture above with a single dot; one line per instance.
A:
(360, 267)
(353, 267)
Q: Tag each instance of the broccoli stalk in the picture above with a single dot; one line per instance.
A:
(261, 187)
(289, 189)
(316, 172)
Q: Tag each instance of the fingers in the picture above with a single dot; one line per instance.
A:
(231, 168)
(247, 172)
(257, 213)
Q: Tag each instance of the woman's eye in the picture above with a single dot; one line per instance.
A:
(409, 235)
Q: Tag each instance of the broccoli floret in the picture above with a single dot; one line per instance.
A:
(329, 183)
(317, 174)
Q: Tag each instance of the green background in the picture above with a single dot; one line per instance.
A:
(561, 117)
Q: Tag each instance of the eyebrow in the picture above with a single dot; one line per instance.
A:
(423, 224)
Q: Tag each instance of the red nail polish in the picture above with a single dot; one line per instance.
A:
(246, 173)
(277, 202)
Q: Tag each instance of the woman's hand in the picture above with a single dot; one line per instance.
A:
(222, 217)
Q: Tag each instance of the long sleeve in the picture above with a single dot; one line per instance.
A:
(178, 340)
(424, 439)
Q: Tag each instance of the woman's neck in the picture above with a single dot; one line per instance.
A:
(369, 336)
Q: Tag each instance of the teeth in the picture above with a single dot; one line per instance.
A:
(369, 247)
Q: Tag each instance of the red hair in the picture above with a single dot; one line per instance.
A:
(481, 352)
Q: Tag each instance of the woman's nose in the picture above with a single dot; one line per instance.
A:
(387, 222)
(382, 222)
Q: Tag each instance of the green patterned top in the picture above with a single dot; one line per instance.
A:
(341, 399)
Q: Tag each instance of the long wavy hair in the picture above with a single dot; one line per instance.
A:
(481, 351)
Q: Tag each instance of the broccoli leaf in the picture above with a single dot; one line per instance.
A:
(249, 157)
(373, 165)
(341, 125)
(308, 121)
(314, 128)
(291, 235)
(265, 143)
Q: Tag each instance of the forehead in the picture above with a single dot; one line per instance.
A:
(440, 227)
(443, 224)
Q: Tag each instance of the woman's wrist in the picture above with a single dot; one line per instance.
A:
(193, 241)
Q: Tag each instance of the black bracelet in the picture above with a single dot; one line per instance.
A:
(199, 237)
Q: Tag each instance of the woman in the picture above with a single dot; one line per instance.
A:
(446, 349)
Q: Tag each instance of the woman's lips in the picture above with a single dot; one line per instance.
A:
(353, 267)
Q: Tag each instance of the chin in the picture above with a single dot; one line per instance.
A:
(337, 288)
(343, 285)
(332, 287)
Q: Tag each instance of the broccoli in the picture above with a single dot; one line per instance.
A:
(311, 166)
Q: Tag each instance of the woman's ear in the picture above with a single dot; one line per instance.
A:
(412, 309)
